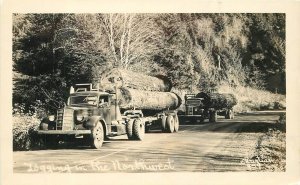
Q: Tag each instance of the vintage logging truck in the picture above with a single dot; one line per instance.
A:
(209, 105)
(119, 105)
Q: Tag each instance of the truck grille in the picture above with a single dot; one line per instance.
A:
(190, 110)
(65, 119)
(59, 120)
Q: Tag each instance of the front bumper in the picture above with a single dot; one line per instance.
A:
(63, 132)
(196, 116)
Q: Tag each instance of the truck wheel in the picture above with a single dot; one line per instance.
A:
(213, 116)
(231, 114)
(176, 123)
(138, 129)
(163, 123)
(227, 116)
(170, 124)
(129, 127)
(97, 136)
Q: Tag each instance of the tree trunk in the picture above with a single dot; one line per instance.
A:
(149, 100)
(134, 80)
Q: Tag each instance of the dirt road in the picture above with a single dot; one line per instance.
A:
(219, 147)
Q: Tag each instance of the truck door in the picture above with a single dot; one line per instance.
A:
(115, 109)
(104, 108)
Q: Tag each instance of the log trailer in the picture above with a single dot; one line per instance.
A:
(203, 106)
(95, 114)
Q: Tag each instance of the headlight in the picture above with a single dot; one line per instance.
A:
(79, 117)
(51, 118)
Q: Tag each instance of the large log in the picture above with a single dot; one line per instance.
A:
(134, 80)
(218, 100)
(147, 100)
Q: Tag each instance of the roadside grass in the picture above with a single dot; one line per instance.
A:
(24, 132)
(270, 151)
(250, 99)
(271, 147)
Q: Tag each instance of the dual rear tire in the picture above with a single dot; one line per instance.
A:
(170, 124)
(135, 129)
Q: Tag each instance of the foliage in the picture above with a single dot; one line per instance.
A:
(24, 129)
(196, 52)
(272, 146)
(250, 99)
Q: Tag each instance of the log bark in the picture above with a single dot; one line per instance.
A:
(218, 100)
(134, 80)
(147, 100)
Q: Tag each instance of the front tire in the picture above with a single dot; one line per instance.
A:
(97, 136)
(138, 129)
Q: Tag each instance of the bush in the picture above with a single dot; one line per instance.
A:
(24, 130)
(250, 99)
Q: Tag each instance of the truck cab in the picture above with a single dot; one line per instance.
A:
(194, 108)
(89, 113)
(203, 106)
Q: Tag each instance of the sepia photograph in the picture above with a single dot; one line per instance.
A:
(136, 93)
(149, 92)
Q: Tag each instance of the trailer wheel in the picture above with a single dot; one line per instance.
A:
(229, 114)
(138, 129)
(170, 124)
(176, 123)
(163, 123)
(97, 136)
(213, 116)
(129, 128)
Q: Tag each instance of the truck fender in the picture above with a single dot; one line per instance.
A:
(92, 121)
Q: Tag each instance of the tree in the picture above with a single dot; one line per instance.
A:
(266, 52)
(35, 60)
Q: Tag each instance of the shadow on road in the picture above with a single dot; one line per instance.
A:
(254, 122)
(236, 127)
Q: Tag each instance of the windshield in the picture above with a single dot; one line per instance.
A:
(83, 100)
(193, 102)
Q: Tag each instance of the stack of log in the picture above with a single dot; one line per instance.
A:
(137, 90)
(218, 100)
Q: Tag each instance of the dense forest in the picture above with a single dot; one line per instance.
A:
(196, 52)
